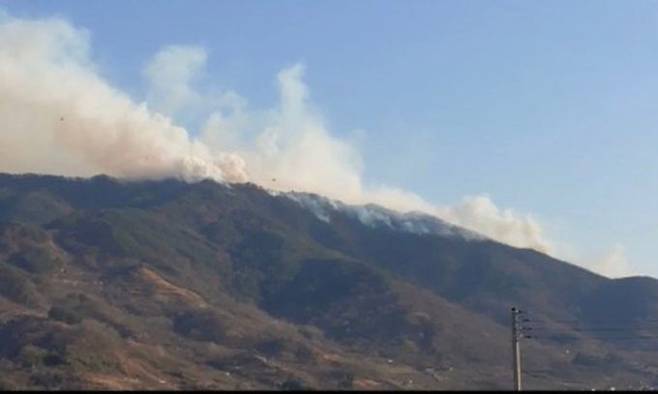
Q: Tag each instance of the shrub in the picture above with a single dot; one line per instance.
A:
(31, 356)
(36, 261)
(203, 325)
(65, 315)
(16, 286)
(293, 385)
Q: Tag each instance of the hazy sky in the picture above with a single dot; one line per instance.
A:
(548, 107)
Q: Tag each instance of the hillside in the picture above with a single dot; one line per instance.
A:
(165, 284)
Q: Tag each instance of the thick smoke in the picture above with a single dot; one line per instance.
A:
(294, 150)
(481, 214)
(60, 116)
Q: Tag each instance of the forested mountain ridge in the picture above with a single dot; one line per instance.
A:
(165, 284)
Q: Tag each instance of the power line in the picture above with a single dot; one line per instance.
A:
(573, 331)
(558, 337)
(593, 329)
(593, 321)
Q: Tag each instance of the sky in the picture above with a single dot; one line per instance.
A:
(547, 109)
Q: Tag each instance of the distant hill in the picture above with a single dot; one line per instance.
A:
(107, 284)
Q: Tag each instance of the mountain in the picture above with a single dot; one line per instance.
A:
(109, 284)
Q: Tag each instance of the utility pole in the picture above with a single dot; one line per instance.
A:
(516, 350)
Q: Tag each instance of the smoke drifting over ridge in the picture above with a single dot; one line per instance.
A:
(61, 117)
(291, 144)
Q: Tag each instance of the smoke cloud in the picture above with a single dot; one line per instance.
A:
(481, 214)
(297, 150)
(60, 116)
(170, 74)
(613, 264)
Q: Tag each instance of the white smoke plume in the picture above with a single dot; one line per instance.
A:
(171, 73)
(295, 151)
(60, 116)
(613, 264)
(481, 214)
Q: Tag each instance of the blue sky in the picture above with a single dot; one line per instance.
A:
(547, 107)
